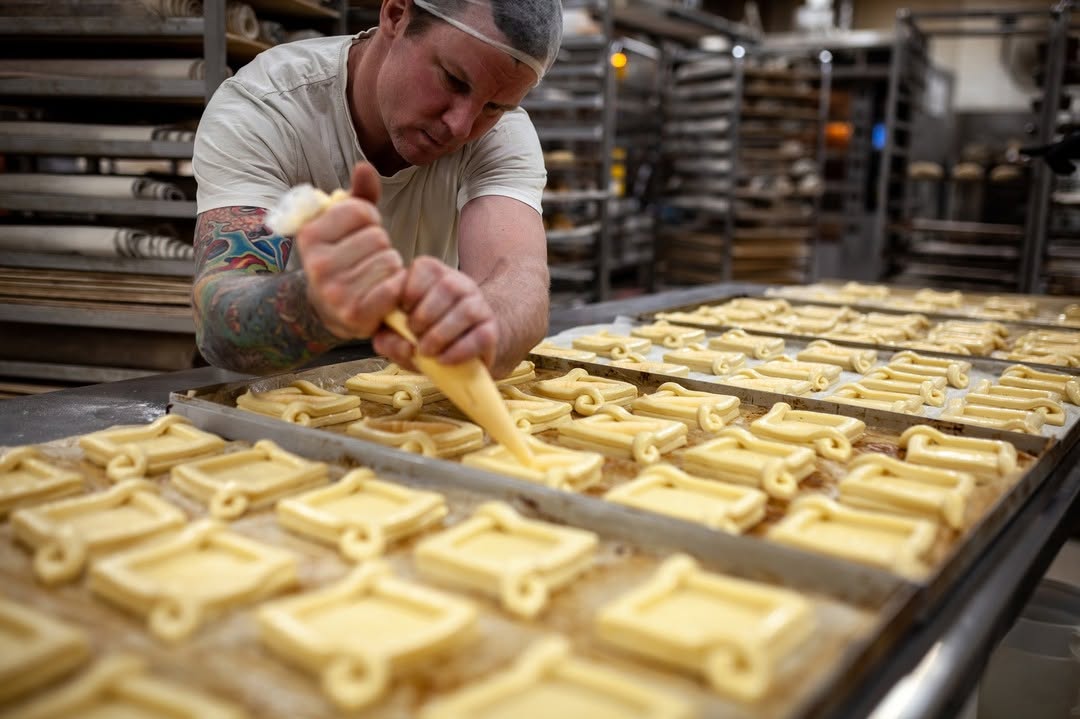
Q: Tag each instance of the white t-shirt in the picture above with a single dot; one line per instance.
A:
(284, 120)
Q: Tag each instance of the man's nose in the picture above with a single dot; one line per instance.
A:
(460, 117)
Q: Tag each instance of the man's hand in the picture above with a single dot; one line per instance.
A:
(354, 275)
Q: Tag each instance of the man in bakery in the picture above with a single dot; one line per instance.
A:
(419, 117)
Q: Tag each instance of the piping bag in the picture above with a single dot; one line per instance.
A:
(469, 385)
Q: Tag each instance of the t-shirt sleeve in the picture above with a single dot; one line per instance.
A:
(507, 161)
(244, 151)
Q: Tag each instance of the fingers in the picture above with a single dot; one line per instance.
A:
(480, 342)
(366, 184)
(394, 347)
(338, 222)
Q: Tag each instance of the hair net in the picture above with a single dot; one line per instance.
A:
(531, 29)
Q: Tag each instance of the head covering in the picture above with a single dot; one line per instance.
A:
(540, 19)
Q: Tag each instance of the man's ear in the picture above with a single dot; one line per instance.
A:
(394, 16)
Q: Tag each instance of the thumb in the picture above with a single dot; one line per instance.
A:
(365, 183)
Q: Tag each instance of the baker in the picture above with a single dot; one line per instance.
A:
(419, 117)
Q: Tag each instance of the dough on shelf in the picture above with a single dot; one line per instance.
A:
(405, 391)
(955, 372)
(587, 393)
(547, 348)
(857, 393)
(762, 348)
(1068, 386)
(640, 363)
(556, 467)
(706, 411)
(426, 434)
(738, 456)
(700, 358)
(830, 435)
(532, 414)
(987, 459)
(303, 403)
(883, 483)
(820, 376)
(611, 345)
(613, 431)
(1010, 420)
(671, 336)
(27, 477)
(38, 649)
(853, 359)
(132, 452)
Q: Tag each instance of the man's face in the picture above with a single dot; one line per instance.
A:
(443, 88)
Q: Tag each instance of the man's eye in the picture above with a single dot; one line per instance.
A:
(456, 84)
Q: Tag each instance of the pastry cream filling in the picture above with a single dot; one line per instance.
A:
(856, 393)
(849, 358)
(35, 649)
(359, 633)
(987, 459)
(701, 359)
(820, 376)
(27, 477)
(1068, 386)
(1012, 420)
(669, 335)
(66, 533)
(303, 403)
(614, 431)
(763, 348)
(638, 362)
(829, 435)
(706, 411)
(500, 553)
(1006, 398)
(547, 348)
(883, 483)
(889, 541)
(613, 346)
(752, 379)
(556, 467)
(738, 456)
(586, 392)
(733, 632)
(180, 581)
(406, 391)
(427, 434)
(549, 681)
(134, 452)
(360, 514)
(956, 372)
(231, 484)
(664, 489)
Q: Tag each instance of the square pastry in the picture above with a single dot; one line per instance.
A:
(617, 433)
(987, 459)
(1068, 386)
(858, 394)
(547, 348)
(700, 358)
(27, 478)
(639, 363)
(135, 452)
(671, 336)
(752, 379)
(738, 456)
(1048, 404)
(426, 434)
(500, 553)
(610, 345)
(883, 483)
(853, 359)
(303, 403)
(756, 346)
(830, 435)
(35, 649)
(405, 391)
(587, 393)
(1003, 418)
(556, 467)
(707, 411)
(533, 415)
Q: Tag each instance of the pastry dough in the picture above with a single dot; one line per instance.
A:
(556, 467)
(500, 553)
(639, 363)
(762, 348)
(912, 325)
(820, 376)
(426, 434)
(406, 391)
(1017, 306)
(706, 411)
(1010, 398)
(889, 541)
(987, 459)
(28, 478)
(67, 532)
(548, 681)
(886, 484)
(702, 359)
(1032, 355)
(793, 324)
(303, 403)
(756, 304)
(119, 686)
(938, 346)
(1010, 420)
(853, 359)
(134, 452)
(829, 435)
(697, 317)
(533, 415)
(359, 633)
(822, 312)
(588, 393)
(35, 649)
(858, 394)
(1068, 386)
(231, 484)
(733, 632)
(179, 581)
(752, 379)
(929, 390)
(615, 432)
(664, 489)
(955, 372)
(525, 371)
(934, 298)
(360, 514)
(738, 456)
(547, 348)
(669, 335)
(860, 331)
(613, 346)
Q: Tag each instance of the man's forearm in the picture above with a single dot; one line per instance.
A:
(519, 298)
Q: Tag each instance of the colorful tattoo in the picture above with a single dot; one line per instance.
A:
(245, 320)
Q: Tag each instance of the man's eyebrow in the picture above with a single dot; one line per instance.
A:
(460, 73)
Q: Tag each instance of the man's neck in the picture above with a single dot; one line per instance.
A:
(365, 59)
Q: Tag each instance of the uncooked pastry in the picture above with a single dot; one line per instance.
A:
(231, 484)
(706, 411)
(793, 324)
(27, 478)
(500, 553)
(556, 467)
(936, 346)
(829, 435)
(525, 371)
(733, 632)
(548, 681)
(547, 348)
(1068, 386)
(178, 582)
(426, 434)
(613, 346)
(856, 393)
(697, 317)
(37, 649)
(889, 541)
(1011, 398)
(533, 415)
(752, 379)
(987, 459)
(883, 483)
(822, 312)
(1010, 420)
(929, 390)
(588, 393)
(66, 533)
(954, 371)
(952, 299)
(854, 359)
(763, 348)
(613, 431)
(361, 632)
(303, 403)
(702, 359)
(738, 456)
(640, 363)
(820, 376)
(756, 304)
(406, 391)
(361, 514)
(669, 335)
(1058, 360)
(665, 489)
(132, 452)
